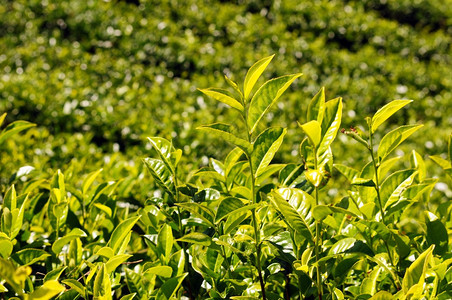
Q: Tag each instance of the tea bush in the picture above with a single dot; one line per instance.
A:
(243, 227)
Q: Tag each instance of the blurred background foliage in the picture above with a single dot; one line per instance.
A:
(98, 77)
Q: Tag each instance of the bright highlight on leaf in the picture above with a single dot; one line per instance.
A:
(254, 73)
(313, 131)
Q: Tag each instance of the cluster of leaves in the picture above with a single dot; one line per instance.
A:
(97, 76)
(241, 228)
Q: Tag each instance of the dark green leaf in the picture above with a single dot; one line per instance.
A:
(169, 288)
(436, 234)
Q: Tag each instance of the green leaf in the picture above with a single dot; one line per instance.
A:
(102, 284)
(415, 274)
(348, 172)
(163, 271)
(295, 210)
(115, 261)
(342, 246)
(363, 182)
(14, 277)
(316, 107)
(121, 231)
(267, 94)
(2, 118)
(89, 180)
(14, 128)
(228, 206)
(161, 174)
(200, 211)
(436, 234)
(441, 161)
(29, 256)
(394, 185)
(394, 138)
(54, 274)
(224, 97)
(225, 131)
(59, 244)
(387, 111)
(169, 288)
(165, 241)
(268, 171)
(330, 124)
(382, 295)
(417, 162)
(265, 147)
(196, 238)
(233, 85)
(254, 73)
(165, 151)
(47, 291)
(315, 177)
(128, 297)
(313, 131)
(320, 212)
(6, 246)
(369, 284)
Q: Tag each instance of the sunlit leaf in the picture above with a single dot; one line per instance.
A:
(14, 128)
(387, 111)
(196, 238)
(415, 274)
(331, 123)
(313, 131)
(226, 132)
(47, 291)
(394, 138)
(254, 73)
(163, 271)
(161, 174)
(59, 244)
(265, 97)
(223, 96)
(121, 231)
(169, 288)
(316, 107)
(264, 149)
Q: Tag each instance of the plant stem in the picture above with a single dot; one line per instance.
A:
(377, 188)
(318, 230)
(255, 219)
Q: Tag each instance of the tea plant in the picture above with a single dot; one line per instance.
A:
(244, 227)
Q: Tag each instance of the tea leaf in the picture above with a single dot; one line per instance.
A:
(14, 128)
(394, 138)
(266, 96)
(265, 147)
(59, 244)
(199, 210)
(29, 256)
(102, 284)
(224, 97)
(196, 238)
(316, 107)
(75, 285)
(165, 241)
(169, 288)
(254, 73)
(394, 185)
(415, 274)
(387, 111)
(115, 261)
(436, 233)
(163, 271)
(161, 174)
(330, 124)
(293, 217)
(47, 291)
(348, 172)
(225, 132)
(313, 131)
(121, 231)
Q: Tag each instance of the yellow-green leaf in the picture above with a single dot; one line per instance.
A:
(254, 73)
(387, 111)
(313, 131)
(222, 96)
